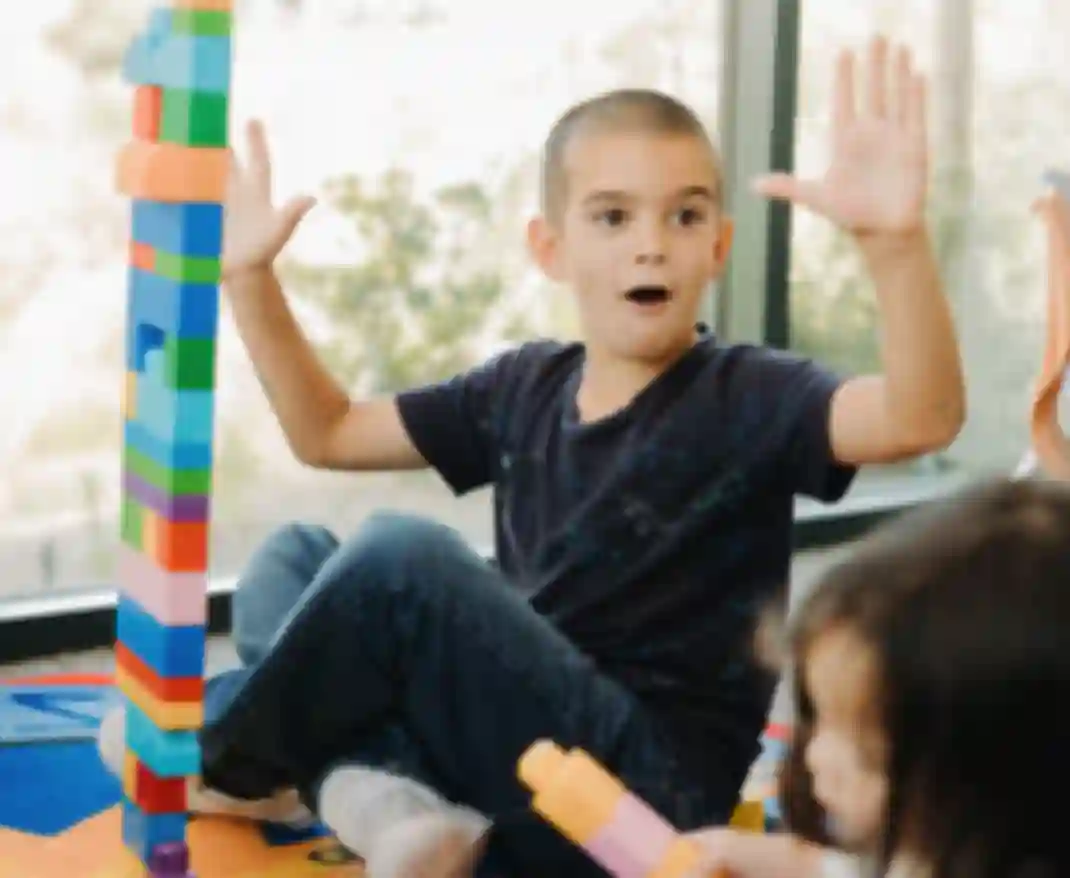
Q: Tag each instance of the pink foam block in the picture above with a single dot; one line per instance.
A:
(634, 842)
(171, 598)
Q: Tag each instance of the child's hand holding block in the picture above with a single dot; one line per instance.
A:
(592, 808)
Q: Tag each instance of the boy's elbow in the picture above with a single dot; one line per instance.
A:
(939, 430)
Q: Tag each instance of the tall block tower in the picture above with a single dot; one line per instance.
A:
(174, 170)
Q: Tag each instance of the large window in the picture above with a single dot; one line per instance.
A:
(1000, 105)
(418, 122)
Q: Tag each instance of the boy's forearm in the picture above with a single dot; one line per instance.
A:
(307, 401)
(920, 352)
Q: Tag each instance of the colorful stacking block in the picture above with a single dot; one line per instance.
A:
(593, 810)
(174, 168)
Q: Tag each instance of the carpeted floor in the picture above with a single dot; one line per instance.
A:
(58, 811)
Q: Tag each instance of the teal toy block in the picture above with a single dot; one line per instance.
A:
(159, 56)
(166, 754)
(177, 308)
(186, 416)
(166, 453)
(182, 229)
(143, 833)
(171, 651)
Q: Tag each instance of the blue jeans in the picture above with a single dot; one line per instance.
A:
(402, 649)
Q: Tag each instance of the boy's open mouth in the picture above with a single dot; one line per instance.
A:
(648, 295)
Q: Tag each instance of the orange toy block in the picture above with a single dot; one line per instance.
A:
(594, 810)
(172, 173)
(177, 689)
(154, 795)
(571, 790)
(129, 400)
(142, 256)
(209, 5)
(148, 102)
(178, 546)
(168, 715)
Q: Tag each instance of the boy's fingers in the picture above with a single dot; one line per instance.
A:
(259, 155)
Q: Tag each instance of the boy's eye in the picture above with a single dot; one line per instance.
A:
(612, 216)
(690, 216)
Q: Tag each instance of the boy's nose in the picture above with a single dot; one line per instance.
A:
(650, 257)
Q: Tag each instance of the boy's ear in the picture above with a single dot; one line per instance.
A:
(543, 247)
(723, 246)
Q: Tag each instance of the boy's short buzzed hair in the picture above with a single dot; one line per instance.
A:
(630, 109)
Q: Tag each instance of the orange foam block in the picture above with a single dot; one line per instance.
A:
(172, 173)
(174, 598)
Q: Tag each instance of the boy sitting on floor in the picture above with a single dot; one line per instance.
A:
(644, 484)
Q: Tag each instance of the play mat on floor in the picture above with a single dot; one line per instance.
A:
(59, 815)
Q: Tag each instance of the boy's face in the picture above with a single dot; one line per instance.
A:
(845, 754)
(639, 239)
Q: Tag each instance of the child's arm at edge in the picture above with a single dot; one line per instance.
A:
(775, 855)
(324, 428)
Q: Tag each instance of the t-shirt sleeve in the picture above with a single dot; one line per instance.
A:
(452, 423)
(798, 394)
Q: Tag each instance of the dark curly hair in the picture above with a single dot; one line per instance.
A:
(966, 606)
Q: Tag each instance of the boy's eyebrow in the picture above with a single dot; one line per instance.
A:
(696, 191)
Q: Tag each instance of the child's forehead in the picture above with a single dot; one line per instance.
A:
(841, 671)
(640, 162)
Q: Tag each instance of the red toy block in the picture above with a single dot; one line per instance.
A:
(151, 793)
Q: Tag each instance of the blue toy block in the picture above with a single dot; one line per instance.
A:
(182, 309)
(143, 339)
(171, 651)
(167, 453)
(143, 832)
(185, 416)
(184, 229)
(164, 753)
(160, 57)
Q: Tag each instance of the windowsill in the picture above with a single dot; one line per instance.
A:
(38, 626)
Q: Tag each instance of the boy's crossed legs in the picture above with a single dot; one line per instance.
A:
(403, 651)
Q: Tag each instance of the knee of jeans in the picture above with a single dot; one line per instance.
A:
(273, 581)
(391, 546)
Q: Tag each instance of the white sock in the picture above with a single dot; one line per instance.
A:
(283, 807)
(398, 825)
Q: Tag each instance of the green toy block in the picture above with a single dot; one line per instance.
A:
(189, 363)
(188, 269)
(173, 482)
(132, 523)
(194, 118)
(201, 22)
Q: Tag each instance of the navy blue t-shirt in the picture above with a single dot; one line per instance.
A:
(655, 537)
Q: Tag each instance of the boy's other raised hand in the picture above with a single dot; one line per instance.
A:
(877, 176)
(255, 230)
